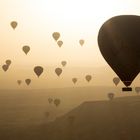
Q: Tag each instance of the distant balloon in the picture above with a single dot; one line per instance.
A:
(137, 89)
(47, 114)
(28, 81)
(8, 62)
(119, 44)
(14, 24)
(63, 63)
(111, 96)
(116, 80)
(57, 102)
(58, 71)
(88, 77)
(38, 70)
(60, 43)
(26, 49)
(81, 42)
(19, 82)
(74, 80)
(56, 35)
(50, 100)
(5, 67)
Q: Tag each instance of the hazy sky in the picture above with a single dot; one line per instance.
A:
(38, 19)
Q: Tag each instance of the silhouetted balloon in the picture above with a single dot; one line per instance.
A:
(57, 102)
(116, 80)
(88, 77)
(81, 42)
(28, 81)
(63, 63)
(58, 71)
(5, 67)
(119, 44)
(50, 100)
(111, 96)
(14, 24)
(8, 62)
(56, 35)
(26, 49)
(38, 70)
(137, 89)
(19, 82)
(74, 80)
(60, 43)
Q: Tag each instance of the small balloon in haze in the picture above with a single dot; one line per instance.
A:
(57, 102)
(88, 77)
(19, 82)
(137, 89)
(28, 81)
(50, 100)
(14, 24)
(38, 70)
(63, 63)
(47, 114)
(60, 43)
(8, 62)
(111, 96)
(74, 80)
(116, 80)
(26, 49)
(58, 71)
(81, 42)
(5, 67)
(56, 35)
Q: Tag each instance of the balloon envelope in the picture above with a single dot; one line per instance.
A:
(8, 62)
(60, 43)
(57, 102)
(14, 24)
(88, 77)
(26, 49)
(74, 80)
(5, 67)
(28, 81)
(38, 70)
(19, 82)
(63, 63)
(81, 42)
(119, 44)
(116, 80)
(56, 35)
(58, 71)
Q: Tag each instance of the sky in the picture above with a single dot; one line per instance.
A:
(38, 19)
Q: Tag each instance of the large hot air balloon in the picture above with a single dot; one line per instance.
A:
(60, 43)
(74, 80)
(14, 24)
(5, 67)
(63, 63)
(26, 49)
(58, 71)
(56, 35)
(81, 41)
(116, 80)
(28, 81)
(119, 44)
(38, 70)
(88, 78)
(8, 62)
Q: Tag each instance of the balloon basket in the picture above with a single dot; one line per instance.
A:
(127, 89)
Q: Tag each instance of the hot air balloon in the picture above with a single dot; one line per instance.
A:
(119, 44)
(63, 63)
(5, 67)
(88, 78)
(47, 114)
(14, 24)
(137, 89)
(28, 81)
(26, 49)
(19, 82)
(50, 100)
(111, 96)
(8, 62)
(58, 71)
(38, 70)
(57, 102)
(74, 80)
(116, 80)
(60, 43)
(81, 41)
(56, 35)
